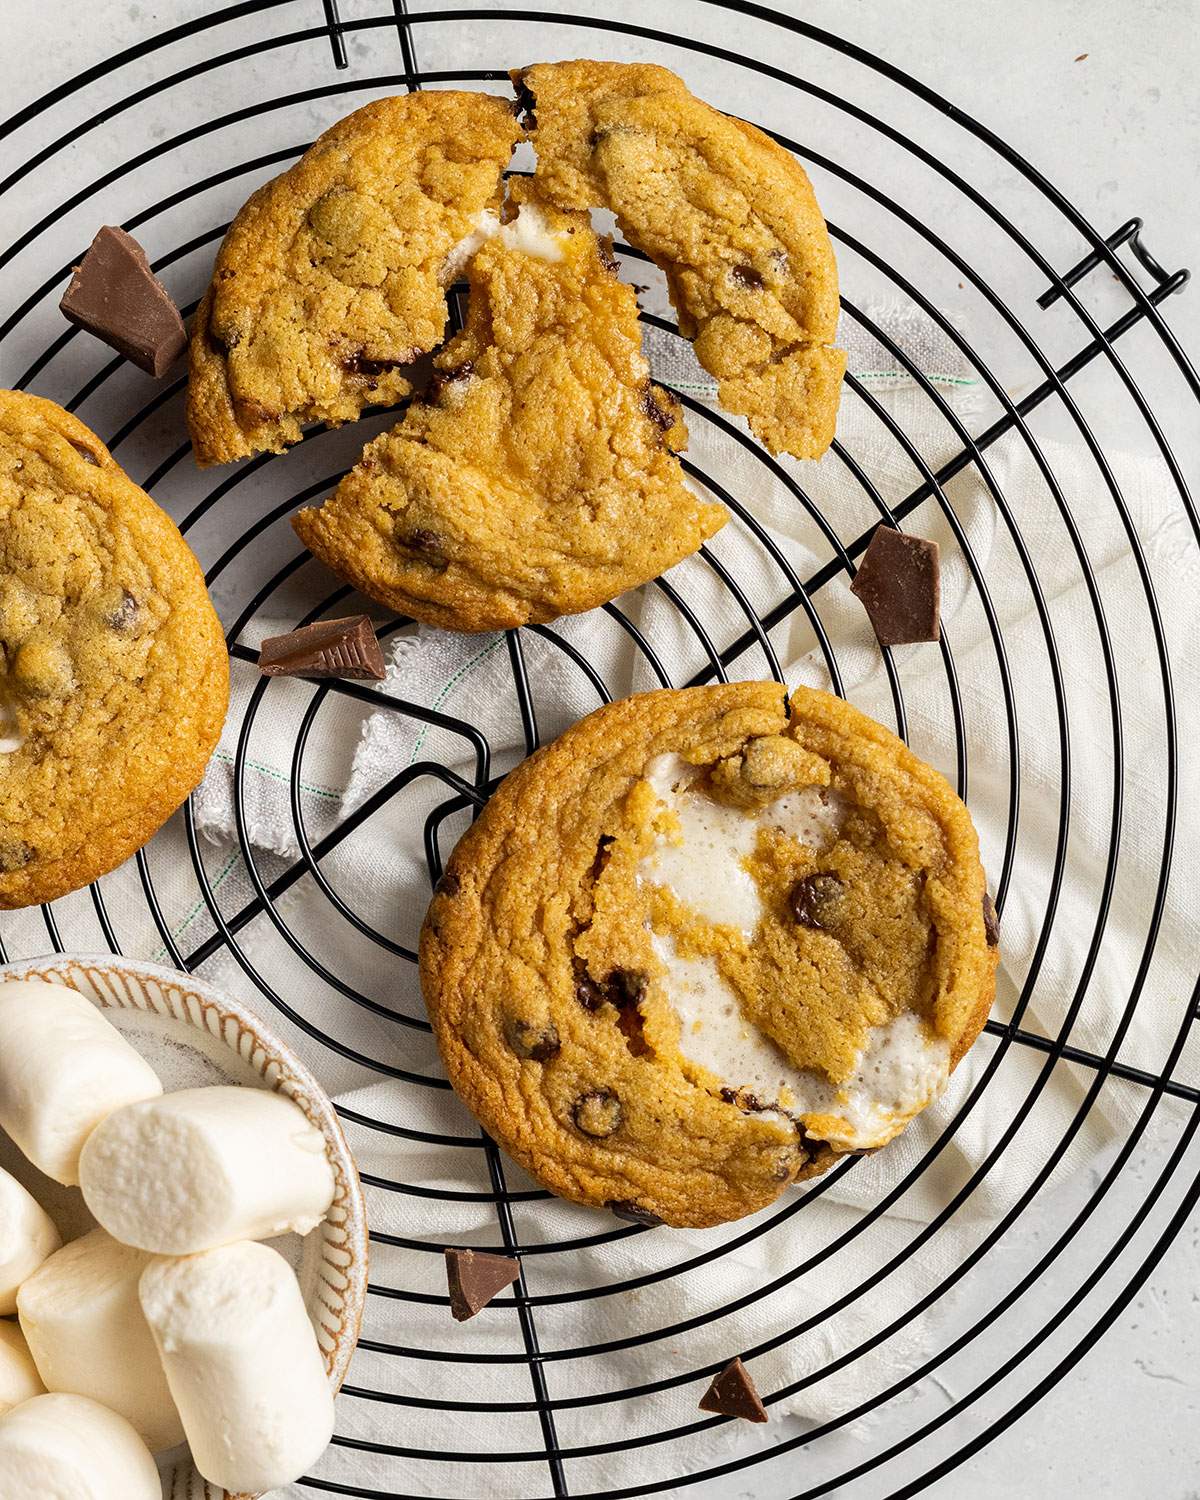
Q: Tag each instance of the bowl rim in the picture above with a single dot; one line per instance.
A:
(283, 1071)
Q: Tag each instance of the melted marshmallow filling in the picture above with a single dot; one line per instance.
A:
(527, 234)
(899, 1070)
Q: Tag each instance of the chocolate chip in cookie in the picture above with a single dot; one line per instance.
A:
(813, 900)
(475, 1277)
(732, 1394)
(748, 277)
(632, 1213)
(991, 921)
(537, 1043)
(598, 1113)
(899, 584)
(14, 855)
(121, 612)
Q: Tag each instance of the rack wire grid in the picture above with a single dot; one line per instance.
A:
(1062, 322)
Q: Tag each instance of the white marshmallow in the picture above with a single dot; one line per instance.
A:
(69, 1448)
(63, 1067)
(243, 1364)
(19, 1379)
(27, 1237)
(205, 1167)
(81, 1315)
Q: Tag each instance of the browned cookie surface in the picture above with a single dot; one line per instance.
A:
(114, 679)
(702, 944)
(331, 280)
(725, 212)
(539, 477)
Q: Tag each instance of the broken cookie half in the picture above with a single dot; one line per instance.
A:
(332, 279)
(539, 475)
(725, 212)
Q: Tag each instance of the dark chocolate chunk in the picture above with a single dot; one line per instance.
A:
(330, 648)
(603, 845)
(448, 884)
(732, 1394)
(372, 369)
(991, 921)
(427, 543)
(440, 379)
(115, 295)
(85, 453)
(14, 855)
(899, 583)
(607, 258)
(588, 992)
(748, 277)
(597, 1114)
(632, 1213)
(474, 1278)
(627, 987)
(814, 899)
(538, 1043)
(122, 615)
(659, 407)
(525, 102)
(744, 1100)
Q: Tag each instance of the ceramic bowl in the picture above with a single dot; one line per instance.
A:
(191, 1034)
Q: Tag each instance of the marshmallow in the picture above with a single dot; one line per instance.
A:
(63, 1067)
(27, 1237)
(81, 1315)
(70, 1447)
(205, 1167)
(19, 1379)
(242, 1362)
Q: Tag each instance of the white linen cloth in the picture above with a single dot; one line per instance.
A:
(380, 872)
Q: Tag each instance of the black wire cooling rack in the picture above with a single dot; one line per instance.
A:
(1061, 323)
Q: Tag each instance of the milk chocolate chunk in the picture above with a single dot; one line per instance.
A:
(475, 1277)
(991, 921)
(329, 648)
(632, 1213)
(116, 296)
(732, 1394)
(899, 583)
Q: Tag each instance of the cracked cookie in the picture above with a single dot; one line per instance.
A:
(538, 477)
(705, 943)
(114, 679)
(727, 214)
(331, 280)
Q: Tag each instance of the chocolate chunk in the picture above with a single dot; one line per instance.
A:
(538, 1043)
(748, 277)
(15, 854)
(603, 847)
(899, 583)
(525, 101)
(589, 994)
(627, 987)
(85, 453)
(122, 614)
(440, 379)
(115, 295)
(744, 1100)
(991, 921)
(372, 369)
(597, 1114)
(424, 541)
(474, 1278)
(659, 407)
(732, 1394)
(607, 259)
(813, 900)
(330, 648)
(448, 884)
(632, 1213)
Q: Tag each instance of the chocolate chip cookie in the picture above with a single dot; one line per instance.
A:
(331, 280)
(705, 943)
(727, 214)
(538, 476)
(114, 679)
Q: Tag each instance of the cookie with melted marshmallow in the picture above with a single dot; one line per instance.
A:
(331, 280)
(725, 212)
(539, 477)
(705, 943)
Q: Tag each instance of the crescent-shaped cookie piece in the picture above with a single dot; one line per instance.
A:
(114, 678)
(538, 477)
(704, 944)
(725, 212)
(331, 280)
